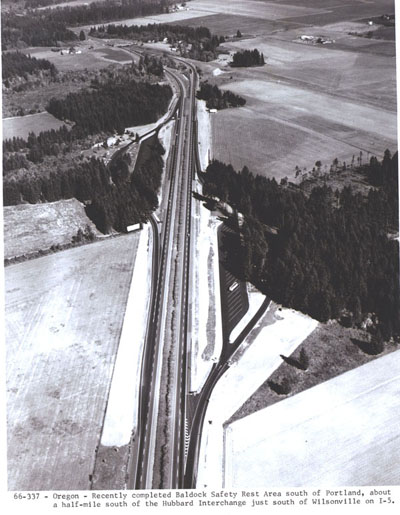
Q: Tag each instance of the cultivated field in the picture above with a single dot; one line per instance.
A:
(308, 103)
(343, 432)
(21, 126)
(30, 228)
(64, 315)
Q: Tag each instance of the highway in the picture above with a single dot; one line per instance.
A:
(158, 453)
(166, 447)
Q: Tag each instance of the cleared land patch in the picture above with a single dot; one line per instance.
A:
(64, 315)
(21, 126)
(341, 432)
(31, 228)
(115, 54)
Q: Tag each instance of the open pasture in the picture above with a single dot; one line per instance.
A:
(343, 432)
(64, 314)
(21, 126)
(363, 77)
(88, 59)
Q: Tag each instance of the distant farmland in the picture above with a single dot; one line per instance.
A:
(21, 126)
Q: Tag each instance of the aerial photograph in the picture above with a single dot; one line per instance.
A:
(201, 244)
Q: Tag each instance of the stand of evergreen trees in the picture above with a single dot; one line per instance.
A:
(33, 30)
(194, 42)
(331, 253)
(105, 11)
(217, 99)
(115, 197)
(248, 58)
(113, 106)
(16, 64)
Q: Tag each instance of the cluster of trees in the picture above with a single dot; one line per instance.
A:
(217, 99)
(115, 101)
(108, 10)
(32, 30)
(113, 106)
(114, 196)
(248, 58)
(16, 64)
(329, 252)
(194, 42)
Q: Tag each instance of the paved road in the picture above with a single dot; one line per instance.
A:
(171, 275)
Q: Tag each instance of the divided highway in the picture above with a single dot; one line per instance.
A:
(158, 455)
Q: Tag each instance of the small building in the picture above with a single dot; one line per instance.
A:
(134, 227)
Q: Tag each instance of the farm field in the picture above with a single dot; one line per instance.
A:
(31, 228)
(64, 314)
(343, 432)
(21, 126)
(307, 103)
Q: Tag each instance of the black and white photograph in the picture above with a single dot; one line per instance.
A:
(201, 253)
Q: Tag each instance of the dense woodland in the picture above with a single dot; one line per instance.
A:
(113, 106)
(115, 196)
(248, 58)
(218, 99)
(194, 42)
(330, 253)
(16, 64)
(32, 30)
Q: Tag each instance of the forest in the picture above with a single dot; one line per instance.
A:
(330, 253)
(218, 99)
(113, 106)
(114, 196)
(32, 30)
(193, 42)
(16, 64)
(247, 58)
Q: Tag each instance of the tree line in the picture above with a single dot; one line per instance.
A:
(218, 99)
(49, 27)
(194, 42)
(329, 254)
(16, 64)
(114, 196)
(108, 10)
(248, 58)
